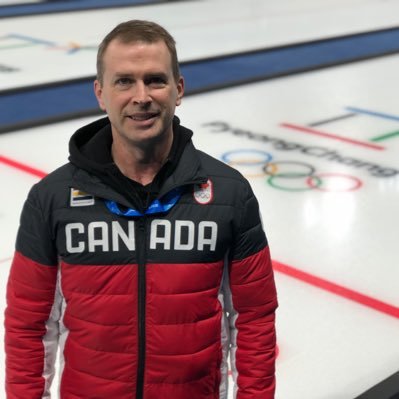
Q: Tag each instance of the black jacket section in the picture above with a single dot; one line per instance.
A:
(35, 232)
(91, 234)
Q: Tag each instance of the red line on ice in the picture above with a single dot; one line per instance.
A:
(22, 167)
(337, 289)
(332, 136)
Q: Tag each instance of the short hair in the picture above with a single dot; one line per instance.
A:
(138, 31)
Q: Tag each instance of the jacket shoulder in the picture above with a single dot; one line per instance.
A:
(51, 191)
(230, 186)
(216, 168)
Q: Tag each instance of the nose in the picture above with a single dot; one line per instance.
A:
(141, 93)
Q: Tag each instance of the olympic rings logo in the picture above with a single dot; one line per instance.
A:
(289, 175)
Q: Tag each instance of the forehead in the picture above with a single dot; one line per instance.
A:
(137, 53)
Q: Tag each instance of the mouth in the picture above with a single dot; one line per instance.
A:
(143, 116)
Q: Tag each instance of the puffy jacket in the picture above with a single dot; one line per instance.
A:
(145, 306)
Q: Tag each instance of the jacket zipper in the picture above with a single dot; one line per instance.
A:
(141, 252)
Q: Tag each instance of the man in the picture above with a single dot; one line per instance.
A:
(142, 259)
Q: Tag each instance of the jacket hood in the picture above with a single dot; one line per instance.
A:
(90, 152)
(78, 154)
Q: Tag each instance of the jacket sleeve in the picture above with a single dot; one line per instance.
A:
(31, 317)
(251, 307)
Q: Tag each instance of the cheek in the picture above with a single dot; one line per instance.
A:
(167, 98)
(117, 101)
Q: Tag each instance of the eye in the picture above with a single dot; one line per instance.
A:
(123, 82)
(156, 81)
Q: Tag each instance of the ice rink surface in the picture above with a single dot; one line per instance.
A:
(319, 148)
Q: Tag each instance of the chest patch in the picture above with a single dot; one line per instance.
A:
(80, 198)
(203, 193)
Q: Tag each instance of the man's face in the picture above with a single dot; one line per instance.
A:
(139, 92)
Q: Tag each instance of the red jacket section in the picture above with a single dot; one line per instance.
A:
(252, 287)
(30, 297)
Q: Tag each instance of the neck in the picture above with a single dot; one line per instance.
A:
(140, 163)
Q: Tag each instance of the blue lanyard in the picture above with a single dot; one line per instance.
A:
(168, 201)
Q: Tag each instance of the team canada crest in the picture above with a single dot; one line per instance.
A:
(203, 193)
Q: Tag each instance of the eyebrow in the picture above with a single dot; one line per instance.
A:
(122, 75)
(146, 75)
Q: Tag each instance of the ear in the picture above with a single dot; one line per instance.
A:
(98, 91)
(180, 90)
